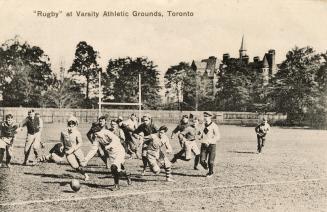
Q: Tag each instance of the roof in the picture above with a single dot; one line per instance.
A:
(265, 63)
(199, 64)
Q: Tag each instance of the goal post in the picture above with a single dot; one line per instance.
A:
(139, 103)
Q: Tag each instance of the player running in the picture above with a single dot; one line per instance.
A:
(8, 130)
(261, 130)
(180, 128)
(157, 147)
(187, 138)
(118, 132)
(102, 123)
(114, 149)
(143, 131)
(71, 139)
(128, 126)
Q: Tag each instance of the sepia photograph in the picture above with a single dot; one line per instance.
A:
(163, 105)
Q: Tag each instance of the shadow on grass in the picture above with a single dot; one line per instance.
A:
(188, 175)
(243, 152)
(90, 171)
(56, 176)
(90, 185)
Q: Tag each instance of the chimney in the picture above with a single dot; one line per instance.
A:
(211, 63)
(256, 59)
(273, 67)
(245, 59)
(225, 58)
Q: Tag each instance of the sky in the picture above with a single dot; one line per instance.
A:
(215, 28)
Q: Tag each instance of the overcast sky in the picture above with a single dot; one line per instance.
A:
(216, 28)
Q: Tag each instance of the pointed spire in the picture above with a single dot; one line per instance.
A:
(243, 47)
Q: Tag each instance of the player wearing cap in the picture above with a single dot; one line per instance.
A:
(34, 125)
(8, 130)
(210, 136)
(71, 139)
(114, 149)
(261, 130)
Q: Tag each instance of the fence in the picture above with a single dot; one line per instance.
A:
(55, 115)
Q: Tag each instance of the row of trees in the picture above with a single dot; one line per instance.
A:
(26, 78)
(299, 88)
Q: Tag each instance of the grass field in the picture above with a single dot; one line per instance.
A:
(290, 175)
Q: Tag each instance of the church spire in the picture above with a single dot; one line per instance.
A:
(243, 48)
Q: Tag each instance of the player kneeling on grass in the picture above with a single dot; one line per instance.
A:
(72, 142)
(157, 147)
(56, 154)
(8, 130)
(115, 150)
(262, 130)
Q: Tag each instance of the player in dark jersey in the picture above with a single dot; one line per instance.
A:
(101, 123)
(144, 131)
(56, 154)
(34, 125)
(8, 130)
(261, 130)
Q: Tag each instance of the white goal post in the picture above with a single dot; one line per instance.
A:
(100, 103)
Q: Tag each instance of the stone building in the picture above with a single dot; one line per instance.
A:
(207, 71)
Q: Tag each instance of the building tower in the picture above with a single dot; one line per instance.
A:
(265, 70)
(243, 48)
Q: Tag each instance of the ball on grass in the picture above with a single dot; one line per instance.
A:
(75, 185)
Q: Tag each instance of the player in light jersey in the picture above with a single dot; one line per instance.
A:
(187, 133)
(8, 130)
(188, 142)
(72, 142)
(118, 131)
(115, 151)
(102, 123)
(128, 126)
(157, 147)
(261, 131)
(210, 137)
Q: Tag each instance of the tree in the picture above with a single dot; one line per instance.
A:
(121, 81)
(180, 81)
(318, 114)
(296, 91)
(25, 73)
(234, 86)
(85, 64)
(64, 93)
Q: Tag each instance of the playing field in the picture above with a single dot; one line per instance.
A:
(290, 175)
